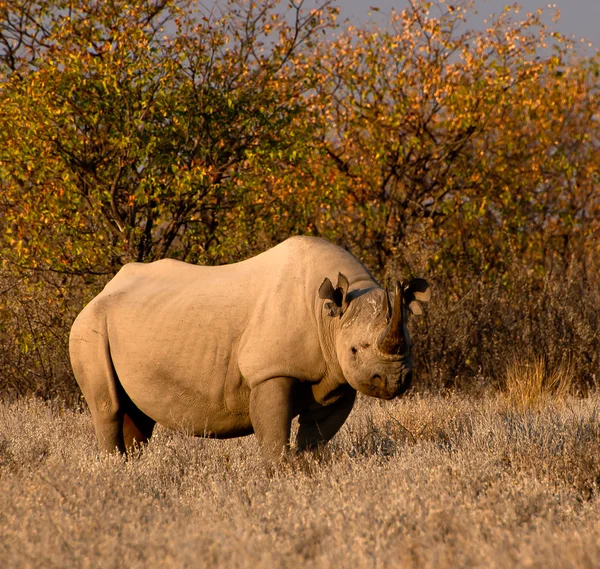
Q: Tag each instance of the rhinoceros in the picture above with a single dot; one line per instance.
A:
(225, 351)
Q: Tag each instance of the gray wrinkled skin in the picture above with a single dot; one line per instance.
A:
(231, 350)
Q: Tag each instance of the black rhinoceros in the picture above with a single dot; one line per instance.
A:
(236, 349)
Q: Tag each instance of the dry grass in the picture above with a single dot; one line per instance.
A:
(532, 383)
(426, 481)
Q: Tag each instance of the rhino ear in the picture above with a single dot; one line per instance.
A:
(326, 290)
(343, 284)
(415, 308)
(415, 292)
(337, 297)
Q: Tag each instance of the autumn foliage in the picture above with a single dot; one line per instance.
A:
(132, 131)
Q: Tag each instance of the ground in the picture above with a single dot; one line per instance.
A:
(424, 481)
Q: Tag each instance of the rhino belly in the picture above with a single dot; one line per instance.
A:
(198, 405)
(200, 392)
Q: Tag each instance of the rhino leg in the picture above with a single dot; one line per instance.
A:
(117, 421)
(271, 415)
(95, 374)
(137, 426)
(319, 423)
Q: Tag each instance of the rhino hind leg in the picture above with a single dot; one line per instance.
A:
(117, 421)
(121, 425)
(137, 426)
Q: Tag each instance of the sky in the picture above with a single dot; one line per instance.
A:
(579, 18)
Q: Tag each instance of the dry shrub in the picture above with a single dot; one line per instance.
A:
(530, 383)
(471, 333)
(36, 313)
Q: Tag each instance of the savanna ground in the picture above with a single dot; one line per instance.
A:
(424, 481)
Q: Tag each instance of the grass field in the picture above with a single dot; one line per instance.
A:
(425, 481)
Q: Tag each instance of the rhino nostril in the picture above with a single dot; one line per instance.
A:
(376, 380)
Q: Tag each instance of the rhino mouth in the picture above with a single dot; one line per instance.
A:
(406, 382)
(379, 387)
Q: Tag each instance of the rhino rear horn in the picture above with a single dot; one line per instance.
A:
(388, 305)
(391, 340)
(337, 297)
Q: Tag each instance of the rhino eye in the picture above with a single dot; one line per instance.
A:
(365, 345)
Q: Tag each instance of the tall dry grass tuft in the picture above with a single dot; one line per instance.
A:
(532, 382)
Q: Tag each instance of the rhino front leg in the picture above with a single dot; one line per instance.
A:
(271, 415)
(320, 423)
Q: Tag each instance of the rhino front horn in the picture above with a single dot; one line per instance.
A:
(391, 339)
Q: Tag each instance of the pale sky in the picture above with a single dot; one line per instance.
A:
(579, 18)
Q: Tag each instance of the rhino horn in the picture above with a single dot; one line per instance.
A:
(388, 305)
(391, 340)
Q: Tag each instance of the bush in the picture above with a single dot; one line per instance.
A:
(137, 131)
(35, 320)
(499, 329)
